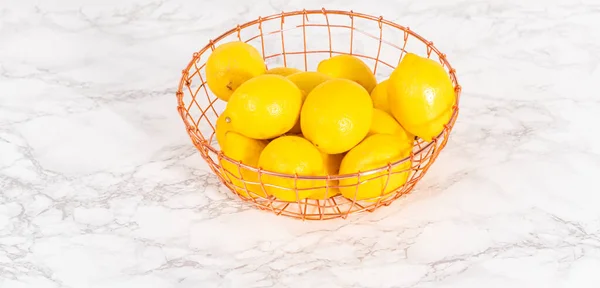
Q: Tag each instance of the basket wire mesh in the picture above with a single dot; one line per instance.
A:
(300, 39)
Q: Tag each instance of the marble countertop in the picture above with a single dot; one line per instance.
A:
(100, 185)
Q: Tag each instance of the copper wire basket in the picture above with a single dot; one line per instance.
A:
(301, 39)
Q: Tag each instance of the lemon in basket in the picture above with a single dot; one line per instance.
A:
(291, 155)
(380, 97)
(230, 65)
(247, 151)
(421, 96)
(349, 67)
(221, 128)
(283, 71)
(374, 152)
(336, 115)
(265, 107)
(384, 123)
(306, 81)
(331, 163)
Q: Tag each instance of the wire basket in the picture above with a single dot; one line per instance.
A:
(301, 39)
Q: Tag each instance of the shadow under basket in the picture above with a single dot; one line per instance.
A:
(301, 39)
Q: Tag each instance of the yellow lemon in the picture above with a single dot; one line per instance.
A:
(332, 167)
(296, 129)
(349, 67)
(265, 107)
(384, 123)
(380, 97)
(421, 96)
(247, 151)
(375, 151)
(283, 71)
(230, 65)
(306, 81)
(222, 126)
(292, 155)
(336, 115)
(332, 162)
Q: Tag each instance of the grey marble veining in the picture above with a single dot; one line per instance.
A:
(101, 187)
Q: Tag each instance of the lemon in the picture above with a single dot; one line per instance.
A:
(283, 71)
(230, 65)
(292, 155)
(384, 123)
(380, 97)
(331, 163)
(265, 107)
(296, 129)
(306, 81)
(375, 151)
(336, 115)
(247, 151)
(349, 67)
(221, 128)
(421, 96)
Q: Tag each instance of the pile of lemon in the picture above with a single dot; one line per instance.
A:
(335, 120)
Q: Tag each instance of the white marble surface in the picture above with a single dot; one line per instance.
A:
(100, 185)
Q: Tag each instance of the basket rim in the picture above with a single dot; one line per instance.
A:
(204, 143)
